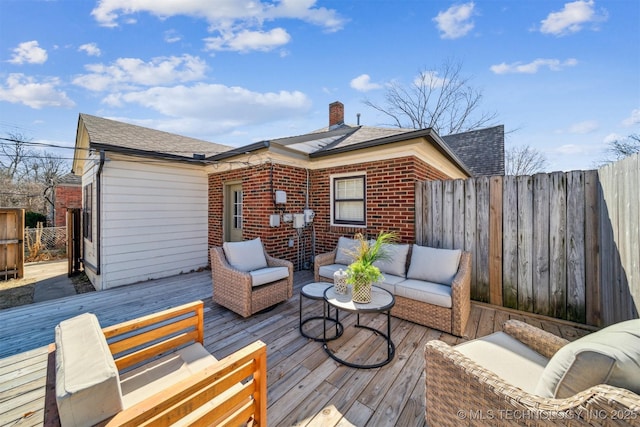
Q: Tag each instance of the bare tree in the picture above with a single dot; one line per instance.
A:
(14, 150)
(524, 160)
(621, 148)
(442, 99)
(45, 167)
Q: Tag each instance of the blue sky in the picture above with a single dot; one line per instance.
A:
(562, 76)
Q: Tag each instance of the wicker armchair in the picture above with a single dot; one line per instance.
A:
(235, 290)
(460, 391)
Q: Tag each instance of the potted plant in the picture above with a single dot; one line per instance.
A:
(361, 273)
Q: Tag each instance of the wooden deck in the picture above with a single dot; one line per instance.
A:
(305, 386)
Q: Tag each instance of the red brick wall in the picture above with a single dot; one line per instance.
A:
(66, 196)
(390, 203)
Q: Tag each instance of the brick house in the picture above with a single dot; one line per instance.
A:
(154, 202)
(67, 193)
(356, 179)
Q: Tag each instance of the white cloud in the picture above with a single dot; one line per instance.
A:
(455, 22)
(132, 72)
(172, 36)
(571, 18)
(633, 119)
(231, 106)
(534, 66)
(429, 79)
(21, 89)
(246, 40)
(585, 127)
(235, 22)
(363, 83)
(90, 49)
(30, 53)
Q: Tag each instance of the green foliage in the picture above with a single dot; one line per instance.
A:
(31, 219)
(362, 270)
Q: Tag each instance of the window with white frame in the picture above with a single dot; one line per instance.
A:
(348, 200)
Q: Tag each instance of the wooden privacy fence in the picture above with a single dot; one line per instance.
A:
(561, 244)
(11, 243)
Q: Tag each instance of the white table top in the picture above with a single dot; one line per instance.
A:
(381, 300)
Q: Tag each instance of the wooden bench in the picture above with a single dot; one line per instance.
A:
(231, 391)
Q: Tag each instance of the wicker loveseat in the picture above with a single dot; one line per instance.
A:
(431, 286)
(527, 376)
(246, 279)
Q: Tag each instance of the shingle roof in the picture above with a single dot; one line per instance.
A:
(481, 150)
(104, 133)
(69, 179)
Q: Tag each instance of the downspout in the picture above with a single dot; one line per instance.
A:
(99, 212)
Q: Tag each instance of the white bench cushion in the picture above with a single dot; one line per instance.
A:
(389, 282)
(328, 270)
(245, 256)
(87, 386)
(268, 275)
(156, 376)
(429, 292)
(506, 357)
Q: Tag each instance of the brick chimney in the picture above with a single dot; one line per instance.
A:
(336, 113)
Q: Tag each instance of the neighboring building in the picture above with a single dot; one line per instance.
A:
(159, 208)
(67, 194)
(144, 201)
(482, 150)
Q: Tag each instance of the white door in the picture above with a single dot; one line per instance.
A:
(233, 213)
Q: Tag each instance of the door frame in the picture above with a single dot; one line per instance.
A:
(230, 233)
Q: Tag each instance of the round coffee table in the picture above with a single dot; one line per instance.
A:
(315, 291)
(381, 302)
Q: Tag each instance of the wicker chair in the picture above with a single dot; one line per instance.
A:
(234, 289)
(460, 391)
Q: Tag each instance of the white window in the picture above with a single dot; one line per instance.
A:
(348, 200)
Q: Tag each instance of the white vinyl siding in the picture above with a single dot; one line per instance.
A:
(154, 219)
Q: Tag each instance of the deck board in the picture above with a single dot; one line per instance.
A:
(305, 386)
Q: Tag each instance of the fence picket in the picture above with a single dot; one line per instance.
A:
(560, 244)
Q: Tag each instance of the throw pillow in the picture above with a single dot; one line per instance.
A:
(609, 356)
(245, 256)
(345, 249)
(434, 264)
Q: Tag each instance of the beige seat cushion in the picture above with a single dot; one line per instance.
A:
(87, 386)
(389, 282)
(268, 275)
(609, 356)
(506, 357)
(153, 377)
(420, 290)
(328, 270)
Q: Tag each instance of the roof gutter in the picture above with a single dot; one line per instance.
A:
(144, 153)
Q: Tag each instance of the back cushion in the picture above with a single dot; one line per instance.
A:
(345, 249)
(87, 381)
(609, 356)
(395, 259)
(245, 256)
(434, 264)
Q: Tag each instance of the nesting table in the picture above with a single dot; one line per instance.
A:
(381, 302)
(315, 291)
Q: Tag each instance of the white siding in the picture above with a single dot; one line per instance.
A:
(90, 247)
(154, 219)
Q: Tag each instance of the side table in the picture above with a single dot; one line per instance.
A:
(315, 291)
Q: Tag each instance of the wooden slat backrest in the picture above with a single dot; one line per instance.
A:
(144, 338)
(247, 401)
